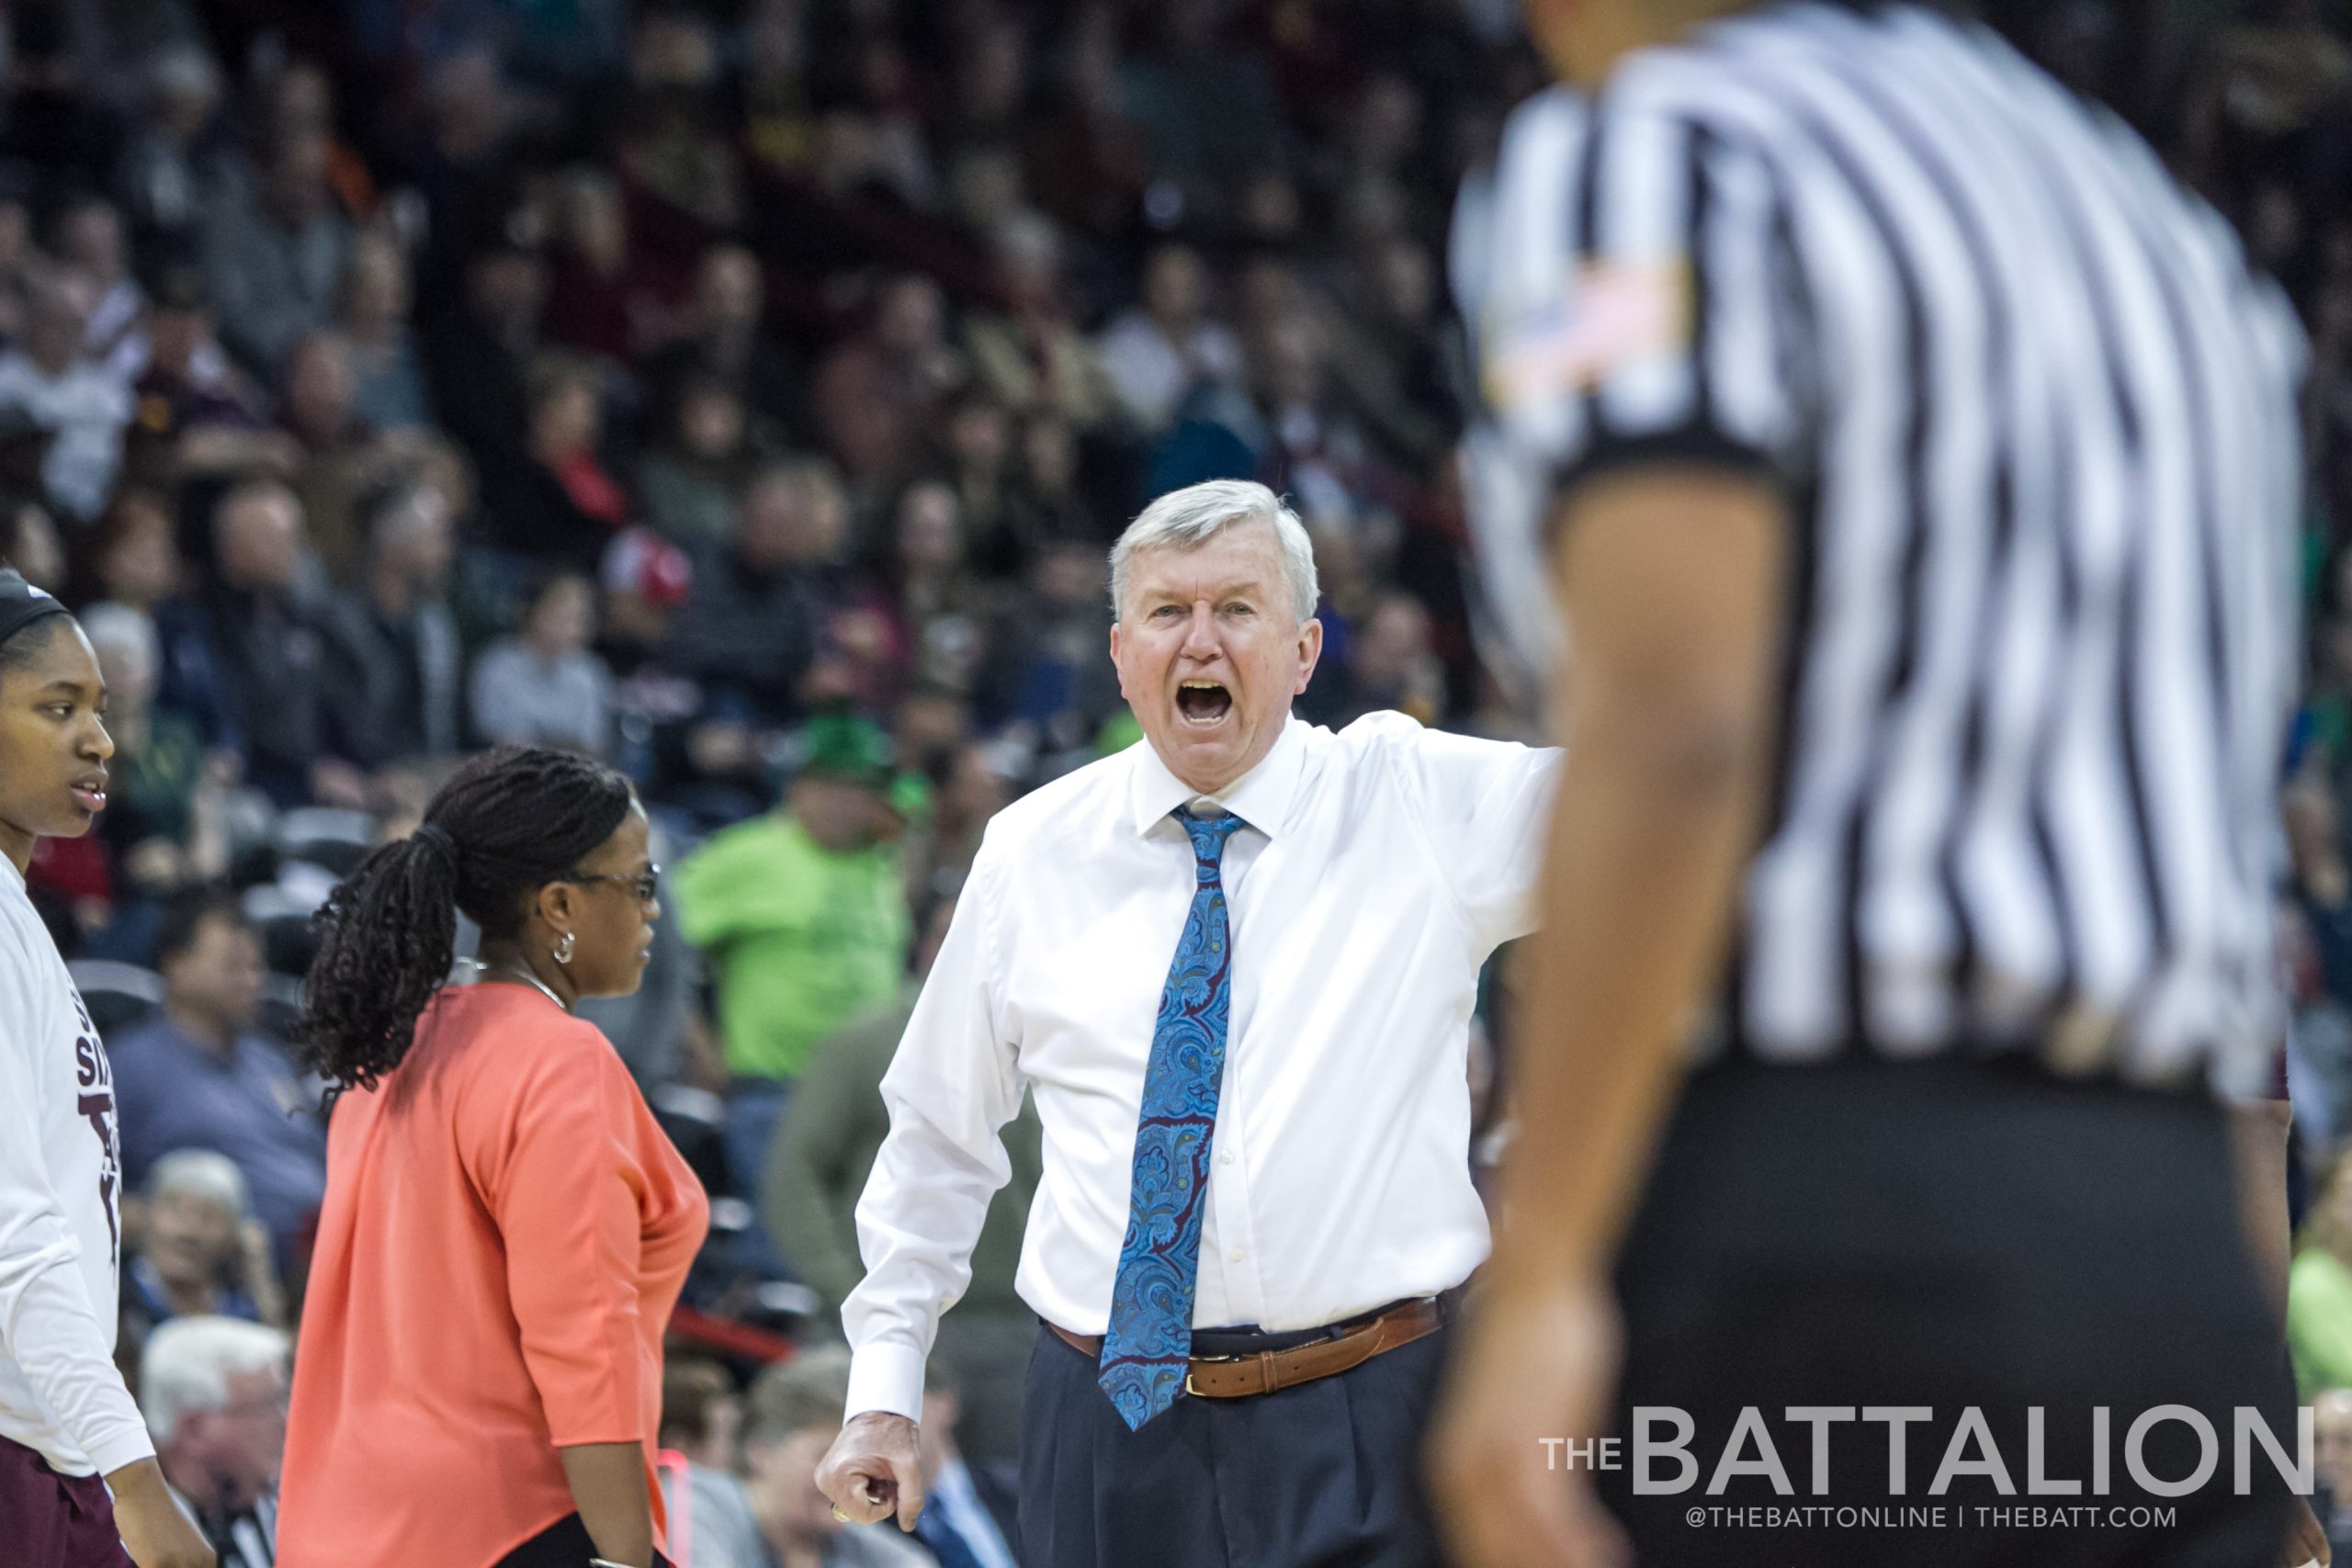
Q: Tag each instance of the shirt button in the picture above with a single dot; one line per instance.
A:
(1237, 1255)
(1225, 1160)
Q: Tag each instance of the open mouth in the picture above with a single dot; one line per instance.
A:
(1203, 702)
(90, 793)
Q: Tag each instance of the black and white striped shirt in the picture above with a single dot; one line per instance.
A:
(2037, 424)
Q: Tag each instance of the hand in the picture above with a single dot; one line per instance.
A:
(873, 1469)
(1535, 1364)
(337, 783)
(2306, 1541)
(156, 1529)
(257, 1265)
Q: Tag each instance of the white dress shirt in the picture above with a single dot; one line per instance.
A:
(1379, 868)
(61, 1177)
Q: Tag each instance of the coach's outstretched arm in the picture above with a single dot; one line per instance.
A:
(954, 1084)
(1671, 581)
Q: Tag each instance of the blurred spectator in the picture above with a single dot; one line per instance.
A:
(1048, 674)
(646, 579)
(935, 606)
(399, 668)
(558, 503)
(971, 1511)
(1391, 361)
(50, 383)
(877, 394)
(1158, 352)
(478, 353)
(996, 520)
(702, 1418)
(18, 260)
(268, 651)
(29, 542)
(166, 174)
(590, 306)
(90, 242)
(197, 415)
(274, 259)
(967, 787)
(691, 481)
(1083, 158)
(671, 146)
(195, 1250)
(722, 338)
(1389, 664)
(213, 1391)
(203, 1076)
(778, 120)
(824, 1151)
(1305, 443)
(164, 827)
(458, 158)
(133, 559)
(389, 391)
(544, 687)
(702, 1414)
(803, 916)
(1205, 109)
(750, 628)
(1031, 356)
(341, 459)
(795, 1413)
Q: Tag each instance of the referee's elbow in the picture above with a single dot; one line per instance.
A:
(1677, 750)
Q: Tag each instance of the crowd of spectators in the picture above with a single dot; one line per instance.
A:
(746, 392)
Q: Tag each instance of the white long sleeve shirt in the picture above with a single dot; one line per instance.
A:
(60, 1212)
(1379, 868)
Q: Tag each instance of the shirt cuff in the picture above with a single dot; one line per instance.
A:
(119, 1446)
(886, 1376)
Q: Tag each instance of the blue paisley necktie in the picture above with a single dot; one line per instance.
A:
(1150, 1341)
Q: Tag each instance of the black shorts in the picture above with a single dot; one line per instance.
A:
(1946, 1237)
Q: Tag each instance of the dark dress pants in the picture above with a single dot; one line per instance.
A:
(1326, 1474)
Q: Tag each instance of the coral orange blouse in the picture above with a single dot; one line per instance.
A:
(505, 1232)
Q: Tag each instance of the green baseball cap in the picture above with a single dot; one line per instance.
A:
(844, 746)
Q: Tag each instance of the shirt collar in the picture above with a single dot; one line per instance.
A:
(1263, 797)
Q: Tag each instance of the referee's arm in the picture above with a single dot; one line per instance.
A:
(1671, 578)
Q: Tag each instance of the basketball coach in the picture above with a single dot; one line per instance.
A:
(1236, 964)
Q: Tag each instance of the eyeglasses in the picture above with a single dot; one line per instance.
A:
(645, 883)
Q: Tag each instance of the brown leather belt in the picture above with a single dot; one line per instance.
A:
(1268, 1372)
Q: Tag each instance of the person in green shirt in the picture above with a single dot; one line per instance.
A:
(2319, 1289)
(802, 916)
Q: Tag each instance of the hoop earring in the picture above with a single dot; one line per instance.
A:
(561, 952)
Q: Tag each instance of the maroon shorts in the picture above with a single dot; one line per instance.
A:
(66, 1520)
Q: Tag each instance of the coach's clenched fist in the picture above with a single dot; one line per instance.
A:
(872, 1470)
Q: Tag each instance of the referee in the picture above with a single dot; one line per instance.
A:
(1914, 467)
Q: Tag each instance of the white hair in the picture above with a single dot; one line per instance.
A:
(184, 1369)
(200, 1173)
(1186, 519)
(131, 633)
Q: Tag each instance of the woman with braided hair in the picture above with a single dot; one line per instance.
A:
(66, 1421)
(506, 1229)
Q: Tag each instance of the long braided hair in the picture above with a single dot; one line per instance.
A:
(504, 825)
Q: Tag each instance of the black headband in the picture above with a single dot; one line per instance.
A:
(21, 604)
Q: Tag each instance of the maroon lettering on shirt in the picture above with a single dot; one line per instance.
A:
(96, 1075)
